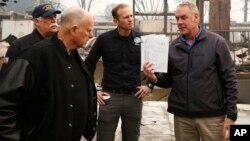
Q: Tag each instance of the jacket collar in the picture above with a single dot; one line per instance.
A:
(59, 44)
(183, 39)
(201, 36)
(37, 34)
(62, 48)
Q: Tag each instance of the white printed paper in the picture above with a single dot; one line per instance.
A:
(154, 49)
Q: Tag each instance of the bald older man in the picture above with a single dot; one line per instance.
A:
(47, 94)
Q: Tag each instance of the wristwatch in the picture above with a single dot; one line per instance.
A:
(150, 85)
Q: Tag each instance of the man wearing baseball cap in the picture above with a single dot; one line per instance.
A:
(44, 17)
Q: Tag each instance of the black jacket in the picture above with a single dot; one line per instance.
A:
(36, 96)
(202, 79)
(22, 43)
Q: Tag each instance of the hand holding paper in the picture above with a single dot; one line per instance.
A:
(154, 49)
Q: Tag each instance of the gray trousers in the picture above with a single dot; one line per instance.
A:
(125, 106)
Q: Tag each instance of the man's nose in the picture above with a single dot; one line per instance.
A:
(131, 18)
(179, 21)
(91, 35)
(54, 19)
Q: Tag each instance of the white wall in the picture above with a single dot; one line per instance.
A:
(18, 28)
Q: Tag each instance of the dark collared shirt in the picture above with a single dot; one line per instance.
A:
(78, 94)
(121, 58)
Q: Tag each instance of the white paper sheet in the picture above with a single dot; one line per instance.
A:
(154, 49)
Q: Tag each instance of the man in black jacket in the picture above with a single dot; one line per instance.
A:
(47, 93)
(202, 76)
(45, 21)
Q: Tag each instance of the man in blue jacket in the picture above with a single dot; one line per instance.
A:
(201, 73)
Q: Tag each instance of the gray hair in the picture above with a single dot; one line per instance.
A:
(193, 8)
(72, 15)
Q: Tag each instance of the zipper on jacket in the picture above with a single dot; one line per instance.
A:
(188, 67)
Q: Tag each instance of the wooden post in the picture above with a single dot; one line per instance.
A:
(219, 17)
(200, 5)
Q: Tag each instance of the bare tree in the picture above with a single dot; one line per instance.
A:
(107, 11)
(86, 4)
(149, 7)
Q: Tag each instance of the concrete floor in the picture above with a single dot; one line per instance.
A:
(157, 123)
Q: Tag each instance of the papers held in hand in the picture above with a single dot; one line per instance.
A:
(154, 49)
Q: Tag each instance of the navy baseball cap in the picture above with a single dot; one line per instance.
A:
(44, 10)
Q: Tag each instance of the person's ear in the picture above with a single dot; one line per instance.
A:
(196, 18)
(36, 21)
(73, 29)
(115, 21)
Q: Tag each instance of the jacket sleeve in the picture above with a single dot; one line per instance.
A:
(13, 50)
(164, 80)
(93, 56)
(11, 86)
(227, 73)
